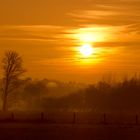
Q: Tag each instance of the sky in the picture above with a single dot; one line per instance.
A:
(48, 34)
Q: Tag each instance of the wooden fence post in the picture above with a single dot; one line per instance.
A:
(104, 119)
(12, 116)
(74, 118)
(137, 121)
(42, 116)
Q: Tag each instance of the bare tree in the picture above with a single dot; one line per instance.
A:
(12, 68)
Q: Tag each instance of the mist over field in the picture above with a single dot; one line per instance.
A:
(51, 95)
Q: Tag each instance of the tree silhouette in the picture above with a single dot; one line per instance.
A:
(12, 68)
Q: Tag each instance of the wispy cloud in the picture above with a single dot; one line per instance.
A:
(118, 23)
(42, 33)
(111, 14)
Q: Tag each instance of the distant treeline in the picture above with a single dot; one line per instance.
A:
(103, 97)
(48, 95)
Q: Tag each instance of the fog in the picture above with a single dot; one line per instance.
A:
(52, 95)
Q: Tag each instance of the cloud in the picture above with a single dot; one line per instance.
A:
(63, 36)
(118, 23)
(110, 14)
(42, 33)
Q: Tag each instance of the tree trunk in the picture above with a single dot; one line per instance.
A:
(4, 105)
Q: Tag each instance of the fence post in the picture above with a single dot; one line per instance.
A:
(104, 119)
(12, 116)
(74, 118)
(42, 116)
(137, 121)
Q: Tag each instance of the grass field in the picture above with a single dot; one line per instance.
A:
(55, 126)
(42, 131)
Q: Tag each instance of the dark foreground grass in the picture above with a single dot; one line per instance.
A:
(43, 131)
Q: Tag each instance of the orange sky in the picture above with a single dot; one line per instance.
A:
(48, 34)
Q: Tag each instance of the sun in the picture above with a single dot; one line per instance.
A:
(86, 50)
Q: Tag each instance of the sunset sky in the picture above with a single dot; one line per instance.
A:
(49, 34)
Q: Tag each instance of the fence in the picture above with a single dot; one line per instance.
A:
(70, 118)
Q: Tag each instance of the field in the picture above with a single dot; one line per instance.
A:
(40, 131)
(68, 126)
